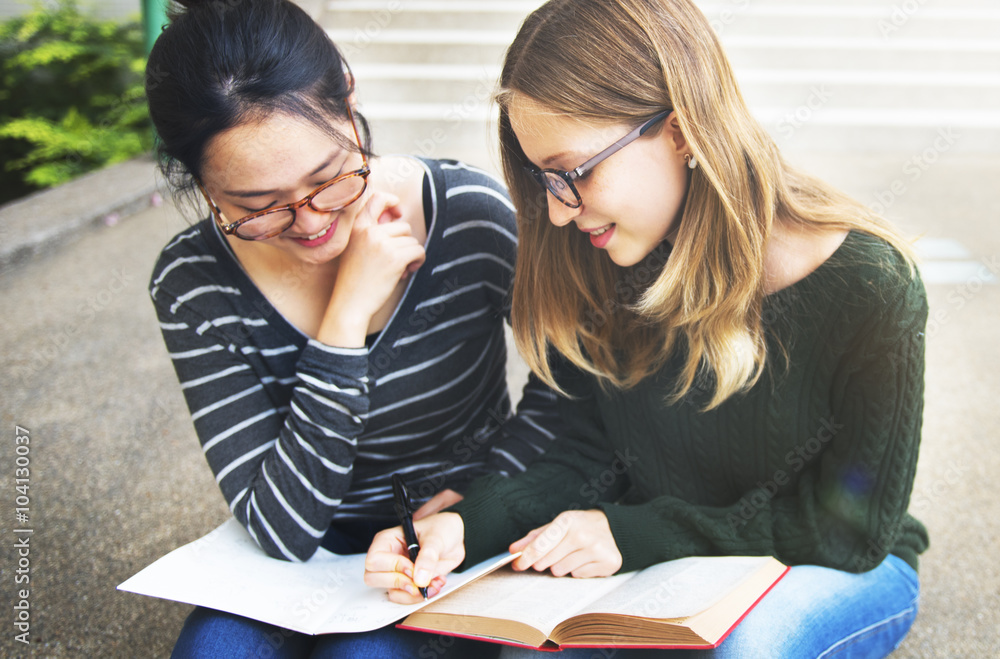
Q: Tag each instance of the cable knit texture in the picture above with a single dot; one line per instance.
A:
(813, 465)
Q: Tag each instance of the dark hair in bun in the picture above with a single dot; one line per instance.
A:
(221, 63)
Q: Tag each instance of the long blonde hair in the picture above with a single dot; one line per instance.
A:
(623, 61)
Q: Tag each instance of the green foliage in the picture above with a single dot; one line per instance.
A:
(71, 96)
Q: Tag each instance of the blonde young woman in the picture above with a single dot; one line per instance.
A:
(748, 343)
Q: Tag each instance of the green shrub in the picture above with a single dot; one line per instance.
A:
(71, 98)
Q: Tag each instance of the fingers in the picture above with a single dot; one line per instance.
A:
(580, 564)
(389, 243)
(576, 542)
(406, 597)
(387, 558)
(388, 566)
(526, 540)
(388, 563)
(414, 256)
(391, 212)
(379, 207)
(541, 548)
(433, 560)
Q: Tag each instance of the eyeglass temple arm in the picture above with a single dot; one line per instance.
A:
(635, 134)
(226, 227)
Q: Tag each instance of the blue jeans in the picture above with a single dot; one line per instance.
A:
(214, 634)
(812, 612)
(208, 633)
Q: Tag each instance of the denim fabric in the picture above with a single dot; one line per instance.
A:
(812, 612)
(217, 635)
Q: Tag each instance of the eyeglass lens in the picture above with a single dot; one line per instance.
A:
(560, 188)
(331, 198)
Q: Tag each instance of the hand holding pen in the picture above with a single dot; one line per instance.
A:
(390, 564)
(404, 511)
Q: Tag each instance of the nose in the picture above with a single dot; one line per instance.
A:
(559, 213)
(310, 221)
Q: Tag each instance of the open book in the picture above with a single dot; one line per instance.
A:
(690, 602)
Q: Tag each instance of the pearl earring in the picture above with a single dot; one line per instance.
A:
(691, 161)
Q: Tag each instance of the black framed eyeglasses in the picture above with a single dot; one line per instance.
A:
(336, 194)
(561, 183)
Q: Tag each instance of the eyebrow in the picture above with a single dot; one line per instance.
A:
(261, 193)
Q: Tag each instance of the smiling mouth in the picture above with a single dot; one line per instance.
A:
(601, 231)
(319, 234)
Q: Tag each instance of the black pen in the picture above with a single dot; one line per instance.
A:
(404, 510)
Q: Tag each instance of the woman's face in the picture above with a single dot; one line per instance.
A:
(632, 201)
(279, 161)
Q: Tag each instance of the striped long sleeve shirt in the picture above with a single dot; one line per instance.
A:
(300, 434)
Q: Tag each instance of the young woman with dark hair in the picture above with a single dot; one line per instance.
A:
(750, 336)
(337, 318)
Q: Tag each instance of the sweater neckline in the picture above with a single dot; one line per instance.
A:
(819, 273)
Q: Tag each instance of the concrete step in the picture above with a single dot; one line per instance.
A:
(851, 75)
(737, 18)
(884, 90)
(761, 87)
(910, 7)
(372, 16)
(872, 20)
(437, 47)
(474, 142)
(863, 53)
(750, 51)
(433, 129)
(409, 83)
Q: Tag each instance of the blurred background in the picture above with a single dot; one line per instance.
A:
(895, 101)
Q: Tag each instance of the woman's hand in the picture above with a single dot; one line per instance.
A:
(437, 503)
(442, 549)
(380, 252)
(577, 542)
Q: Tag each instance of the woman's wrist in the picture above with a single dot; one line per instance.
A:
(343, 330)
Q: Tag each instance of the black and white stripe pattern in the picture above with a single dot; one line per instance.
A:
(300, 434)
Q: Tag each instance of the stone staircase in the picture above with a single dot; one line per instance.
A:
(847, 76)
(426, 70)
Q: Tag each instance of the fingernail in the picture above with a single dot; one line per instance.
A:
(423, 577)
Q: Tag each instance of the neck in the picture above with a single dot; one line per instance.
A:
(794, 250)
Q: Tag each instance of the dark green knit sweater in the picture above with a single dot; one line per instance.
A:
(813, 465)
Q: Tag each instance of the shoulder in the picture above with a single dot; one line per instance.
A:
(472, 204)
(184, 254)
(466, 189)
(879, 273)
(873, 288)
(457, 175)
(193, 266)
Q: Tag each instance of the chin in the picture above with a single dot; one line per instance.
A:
(625, 260)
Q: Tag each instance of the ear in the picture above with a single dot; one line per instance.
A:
(673, 135)
(352, 99)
